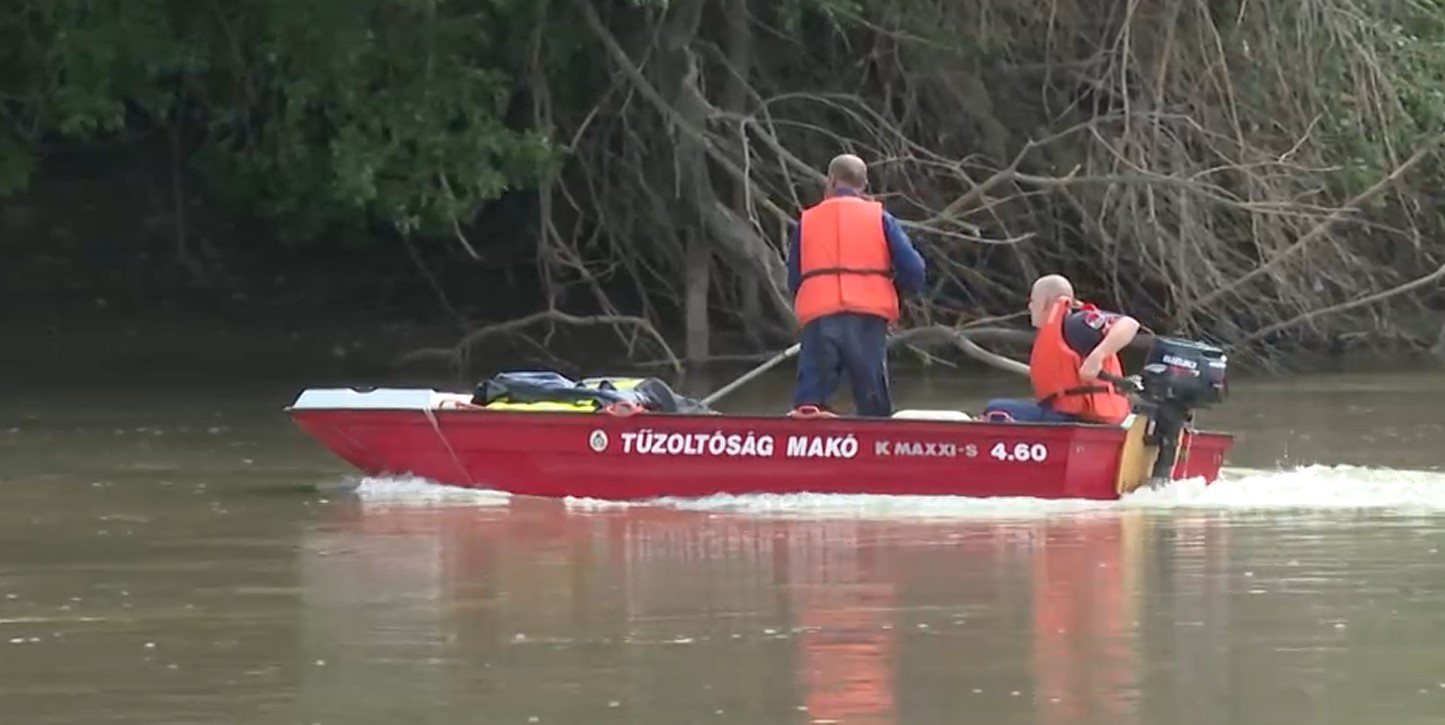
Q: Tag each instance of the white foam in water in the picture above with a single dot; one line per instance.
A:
(410, 490)
(592, 504)
(812, 505)
(1308, 487)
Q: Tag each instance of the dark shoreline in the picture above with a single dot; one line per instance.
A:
(102, 348)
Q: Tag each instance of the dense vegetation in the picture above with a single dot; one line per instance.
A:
(1262, 173)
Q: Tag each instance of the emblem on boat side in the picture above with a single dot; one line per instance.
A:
(598, 440)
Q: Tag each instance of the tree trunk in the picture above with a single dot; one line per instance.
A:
(735, 97)
(695, 303)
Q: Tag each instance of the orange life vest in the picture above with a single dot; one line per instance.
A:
(843, 261)
(1054, 371)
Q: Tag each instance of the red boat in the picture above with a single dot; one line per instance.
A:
(586, 447)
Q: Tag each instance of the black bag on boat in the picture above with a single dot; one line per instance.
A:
(537, 387)
(655, 395)
(550, 387)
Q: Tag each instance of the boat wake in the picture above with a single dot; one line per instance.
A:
(1307, 487)
(382, 491)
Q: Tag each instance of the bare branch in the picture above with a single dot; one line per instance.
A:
(1188, 176)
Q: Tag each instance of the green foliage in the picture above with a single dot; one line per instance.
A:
(838, 14)
(1413, 48)
(314, 113)
(327, 115)
(71, 67)
(16, 166)
(1374, 70)
(382, 107)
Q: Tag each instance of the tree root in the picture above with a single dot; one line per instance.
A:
(1191, 167)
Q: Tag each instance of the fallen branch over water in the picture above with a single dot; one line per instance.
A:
(940, 335)
(627, 327)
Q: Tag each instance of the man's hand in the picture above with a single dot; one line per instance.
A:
(1090, 369)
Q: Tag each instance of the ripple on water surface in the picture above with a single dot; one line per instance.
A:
(1269, 596)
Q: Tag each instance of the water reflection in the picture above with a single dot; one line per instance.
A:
(150, 572)
(533, 610)
(1085, 589)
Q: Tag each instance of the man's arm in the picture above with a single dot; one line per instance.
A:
(795, 266)
(908, 264)
(1121, 332)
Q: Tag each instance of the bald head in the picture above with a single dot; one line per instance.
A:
(847, 170)
(1051, 287)
(1046, 290)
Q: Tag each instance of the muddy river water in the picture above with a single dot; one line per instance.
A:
(180, 553)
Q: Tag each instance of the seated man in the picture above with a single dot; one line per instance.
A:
(1075, 342)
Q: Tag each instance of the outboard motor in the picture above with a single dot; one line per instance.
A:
(1178, 378)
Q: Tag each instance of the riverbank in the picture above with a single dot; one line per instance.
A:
(99, 347)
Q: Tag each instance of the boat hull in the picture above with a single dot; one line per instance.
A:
(648, 456)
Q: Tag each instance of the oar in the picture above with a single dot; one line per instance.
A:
(968, 346)
(759, 370)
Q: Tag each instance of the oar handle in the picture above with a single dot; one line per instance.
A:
(759, 370)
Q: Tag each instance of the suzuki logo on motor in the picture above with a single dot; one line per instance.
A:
(1181, 362)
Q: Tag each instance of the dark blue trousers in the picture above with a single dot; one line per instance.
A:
(845, 342)
(1015, 410)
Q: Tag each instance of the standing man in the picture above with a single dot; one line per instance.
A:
(1075, 342)
(847, 261)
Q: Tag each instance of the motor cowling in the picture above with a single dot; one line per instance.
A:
(1184, 373)
(1178, 378)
